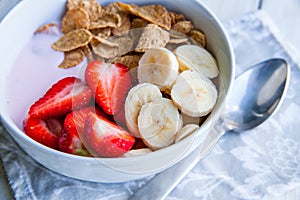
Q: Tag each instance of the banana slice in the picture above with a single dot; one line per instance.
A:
(158, 123)
(186, 131)
(137, 152)
(158, 66)
(136, 98)
(196, 58)
(194, 94)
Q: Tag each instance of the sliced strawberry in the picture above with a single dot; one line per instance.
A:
(69, 140)
(110, 84)
(43, 131)
(104, 138)
(64, 96)
(119, 118)
(55, 125)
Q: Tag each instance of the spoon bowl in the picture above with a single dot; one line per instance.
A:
(256, 95)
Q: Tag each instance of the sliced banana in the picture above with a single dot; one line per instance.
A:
(196, 58)
(186, 131)
(137, 152)
(158, 66)
(136, 98)
(158, 123)
(194, 94)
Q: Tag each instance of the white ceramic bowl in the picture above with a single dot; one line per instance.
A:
(21, 87)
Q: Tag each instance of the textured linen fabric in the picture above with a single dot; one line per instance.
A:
(255, 164)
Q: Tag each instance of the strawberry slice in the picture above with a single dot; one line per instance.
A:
(110, 84)
(69, 140)
(64, 96)
(43, 131)
(104, 138)
(119, 118)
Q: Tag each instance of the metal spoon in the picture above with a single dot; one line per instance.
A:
(256, 95)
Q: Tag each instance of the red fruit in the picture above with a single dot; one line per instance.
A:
(110, 84)
(64, 96)
(69, 140)
(119, 118)
(104, 138)
(43, 131)
(54, 125)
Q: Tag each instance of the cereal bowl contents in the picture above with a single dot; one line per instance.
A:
(121, 90)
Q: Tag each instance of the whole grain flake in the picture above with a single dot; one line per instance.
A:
(118, 31)
(72, 40)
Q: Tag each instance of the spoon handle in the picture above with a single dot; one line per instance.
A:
(163, 183)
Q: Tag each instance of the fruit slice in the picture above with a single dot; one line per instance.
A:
(193, 57)
(193, 94)
(43, 131)
(110, 84)
(64, 96)
(119, 118)
(158, 66)
(158, 123)
(104, 138)
(186, 131)
(69, 139)
(136, 98)
(137, 152)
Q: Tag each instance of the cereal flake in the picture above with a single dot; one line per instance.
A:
(72, 40)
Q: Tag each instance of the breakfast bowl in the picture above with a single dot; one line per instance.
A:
(29, 68)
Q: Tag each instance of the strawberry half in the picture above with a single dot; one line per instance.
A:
(119, 118)
(43, 131)
(67, 94)
(110, 84)
(104, 138)
(69, 140)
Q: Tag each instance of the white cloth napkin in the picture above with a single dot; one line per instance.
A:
(256, 164)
